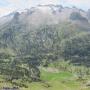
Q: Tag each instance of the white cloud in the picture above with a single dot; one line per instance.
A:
(27, 3)
(4, 11)
(14, 1)
(48, 1)
(78, 1)
(84, 4)
(21, 4)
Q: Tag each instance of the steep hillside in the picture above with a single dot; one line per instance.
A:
(49, 36)
(42, 30)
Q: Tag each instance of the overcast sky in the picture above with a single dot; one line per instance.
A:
(7, 6)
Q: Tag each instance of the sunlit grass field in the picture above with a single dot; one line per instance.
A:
(58, 81)
(54, 81)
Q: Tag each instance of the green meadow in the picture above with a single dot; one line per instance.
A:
(58, 81)
(62, 80)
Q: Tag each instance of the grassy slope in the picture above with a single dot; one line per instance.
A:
(57, 81)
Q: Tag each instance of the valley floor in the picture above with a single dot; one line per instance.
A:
(55, 80)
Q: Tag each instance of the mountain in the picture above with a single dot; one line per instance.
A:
(45, 29)
(50, 14)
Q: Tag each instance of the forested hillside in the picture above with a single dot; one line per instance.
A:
(38, 37)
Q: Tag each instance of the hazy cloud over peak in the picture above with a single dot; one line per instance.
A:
(83, 4)
(7, 6)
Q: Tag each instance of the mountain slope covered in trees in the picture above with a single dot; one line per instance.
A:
(42, 35)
